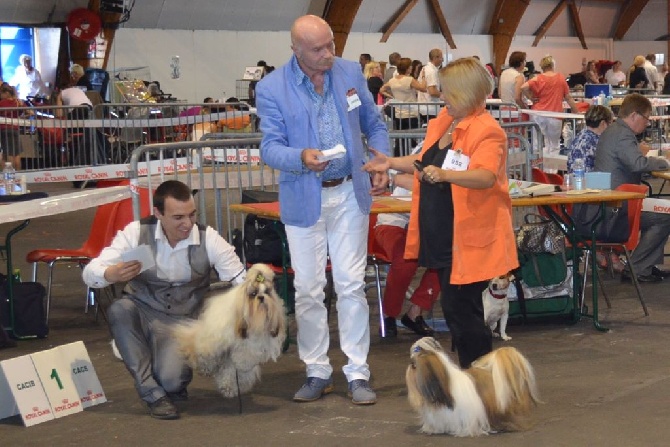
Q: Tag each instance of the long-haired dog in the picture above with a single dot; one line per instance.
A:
(237, 331)
(496, 393)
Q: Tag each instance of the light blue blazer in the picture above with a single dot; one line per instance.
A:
(289, 125)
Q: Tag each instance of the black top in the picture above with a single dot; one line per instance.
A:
(436, 216)
(374, 84)
(638, 75)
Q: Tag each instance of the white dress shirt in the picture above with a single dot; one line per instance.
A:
(171, 263)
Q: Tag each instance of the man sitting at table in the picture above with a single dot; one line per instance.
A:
(158, 297)
(618, 153)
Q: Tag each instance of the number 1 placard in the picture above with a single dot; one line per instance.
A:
(54, 373)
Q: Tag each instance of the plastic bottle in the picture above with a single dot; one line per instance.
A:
(9, 177)
(579, 170)
(601, 99)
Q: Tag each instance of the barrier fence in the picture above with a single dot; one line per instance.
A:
(64, 143)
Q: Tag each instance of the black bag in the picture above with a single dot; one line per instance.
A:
(29, 317)
(614, 228)
(262, 237)
(262, 240)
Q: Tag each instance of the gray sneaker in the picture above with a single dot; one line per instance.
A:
(361, 393)
(313, 389)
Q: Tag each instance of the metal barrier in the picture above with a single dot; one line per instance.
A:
(80, 143)
(409, 115)
(524, 148)
(219, 181)
(50, 137)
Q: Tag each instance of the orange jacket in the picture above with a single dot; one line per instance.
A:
(484, 244)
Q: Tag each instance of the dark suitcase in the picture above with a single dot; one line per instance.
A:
(29, 317)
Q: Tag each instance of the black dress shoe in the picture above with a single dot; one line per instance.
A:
(163, 408)
(418, 326)
(626, 277)
(660, 273)
(390, 327)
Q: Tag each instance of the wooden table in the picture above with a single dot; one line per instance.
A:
(388, 204)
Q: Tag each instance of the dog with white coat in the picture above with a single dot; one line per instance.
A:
(497, 392)
(237, 331)
(496, 304)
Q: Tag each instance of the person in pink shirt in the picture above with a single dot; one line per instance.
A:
(547, 91)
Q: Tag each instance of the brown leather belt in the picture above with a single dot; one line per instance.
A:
(335, 182)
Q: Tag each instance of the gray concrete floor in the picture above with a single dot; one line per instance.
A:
(599, 389)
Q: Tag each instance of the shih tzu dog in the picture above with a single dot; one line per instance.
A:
(237, 331)
(496, 304)
(495, 394)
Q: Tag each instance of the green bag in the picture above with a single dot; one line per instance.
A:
(543, 269)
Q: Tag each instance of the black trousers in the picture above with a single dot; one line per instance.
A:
(463, 310)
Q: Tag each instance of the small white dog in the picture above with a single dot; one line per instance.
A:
(497, 392)
(496, 304)
(237, 331)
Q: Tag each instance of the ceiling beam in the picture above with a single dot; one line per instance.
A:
(340, 15)
(628, 13)
(442, 23)
(395, 20)
(553, 15)
(574, 14)
(504, 23)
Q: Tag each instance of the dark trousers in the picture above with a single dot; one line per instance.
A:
(463, 310)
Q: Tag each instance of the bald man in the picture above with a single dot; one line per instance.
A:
(314, 102)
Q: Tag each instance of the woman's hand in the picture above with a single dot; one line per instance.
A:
(379, 163)
(433, 174)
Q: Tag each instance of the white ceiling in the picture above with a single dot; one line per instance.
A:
(464, 17)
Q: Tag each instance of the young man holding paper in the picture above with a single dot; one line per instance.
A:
(161, 292)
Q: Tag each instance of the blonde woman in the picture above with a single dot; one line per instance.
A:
(461, 219)
(548, 90)
(373, 73)
(637, 76)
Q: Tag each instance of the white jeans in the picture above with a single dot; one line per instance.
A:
(342, 232)
(551, 130)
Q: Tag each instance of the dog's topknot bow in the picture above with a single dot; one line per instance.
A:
(260, 278)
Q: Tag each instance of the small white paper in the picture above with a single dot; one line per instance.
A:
(140, 253)
(331, 154)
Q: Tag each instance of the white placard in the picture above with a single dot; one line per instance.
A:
(85, 379)
(8, 407)
(656, 205)
(27, 390)
(54, 372)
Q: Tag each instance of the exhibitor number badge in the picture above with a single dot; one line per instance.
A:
(456, 161)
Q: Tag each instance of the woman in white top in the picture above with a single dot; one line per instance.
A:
(615, 75)
(403, 88)
(511, 80)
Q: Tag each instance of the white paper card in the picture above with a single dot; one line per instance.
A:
(456, 161)
(331, 154)
(54, 372)
(140, 253)
(27, 389)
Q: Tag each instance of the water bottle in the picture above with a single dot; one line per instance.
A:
(579, 170)
(9, 177)
(601, 99)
